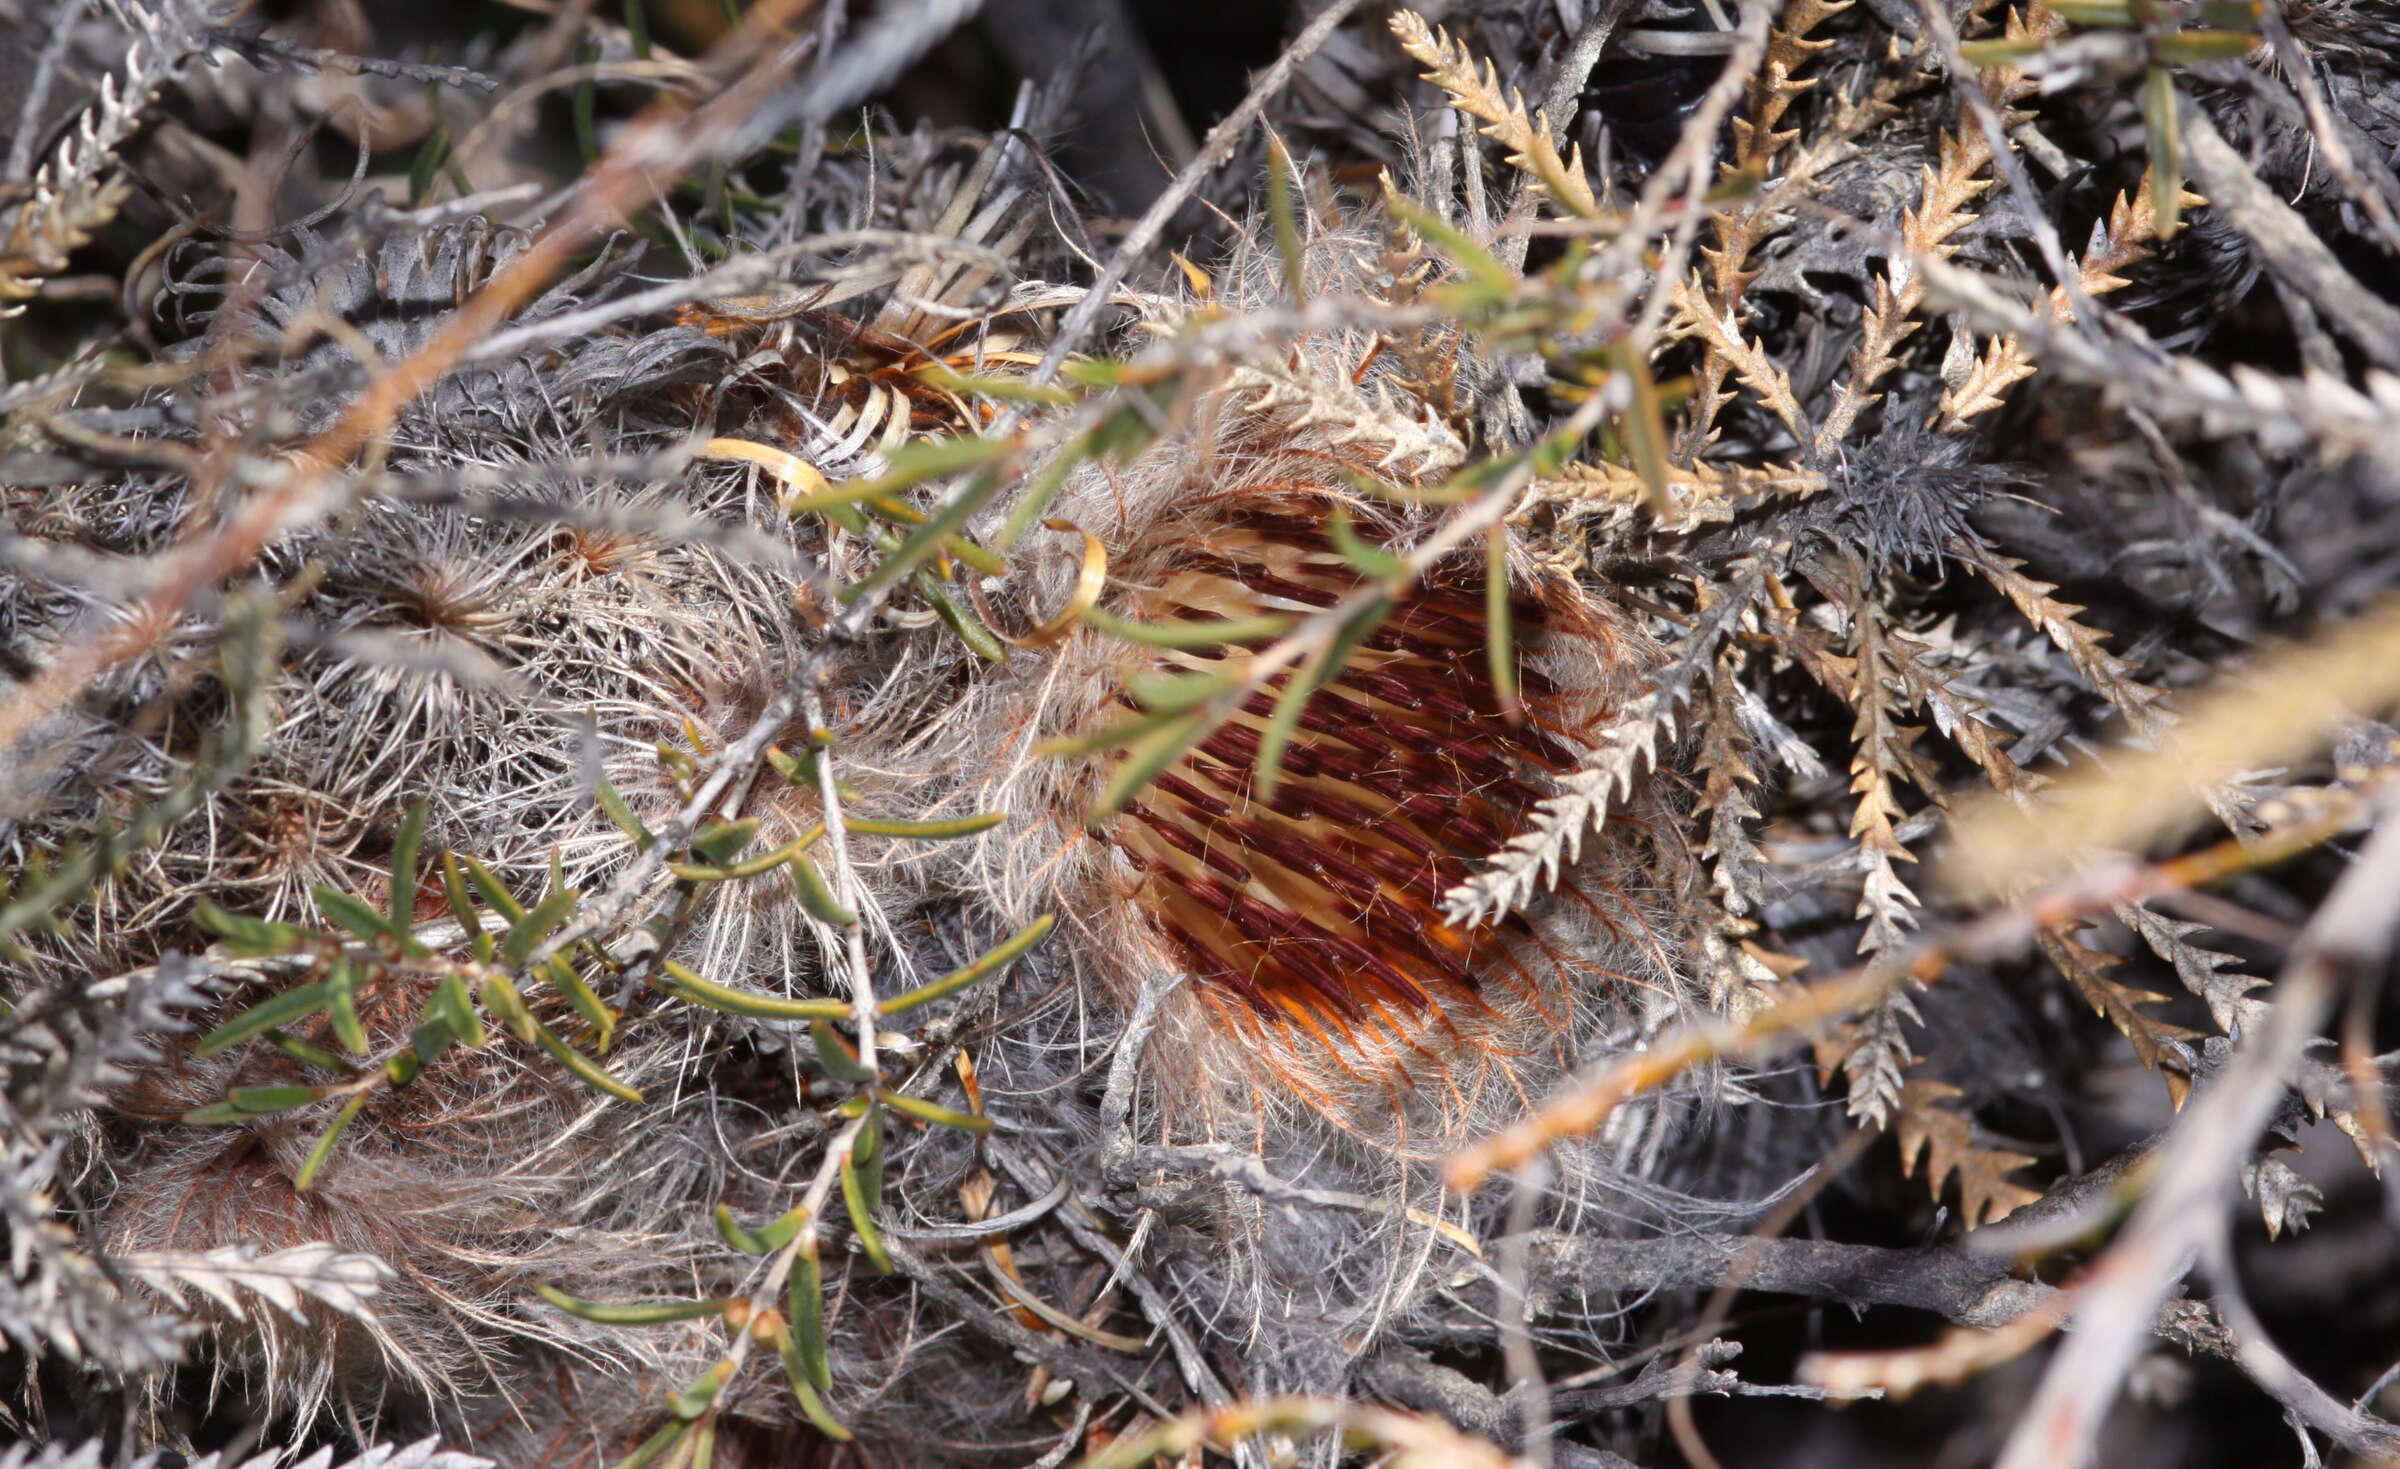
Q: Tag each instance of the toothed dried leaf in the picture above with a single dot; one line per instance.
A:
(2158, 1043)
(1929, 1129)
(1476, 92)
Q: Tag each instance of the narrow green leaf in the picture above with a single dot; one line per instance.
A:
(1146, 758)
(1285, 219)
(256, 1100)
(735, 1236)
(279, 1010)
(867, 1154)
(502, 1002)
(630, 1313)
(653, 1446)
(618, 812)
(1500, 644)
(1282, 722)
(2186, 47)
(997, 386)
(528, 932)
(1480, 266)
(861, 1207)
(462, 907)
(432, 1037)
(893, 508)
(495, 893)
(935, 1113)
(795, 1367)
(963, 625)
(637, 28)
(342, 981)
(1034, 502)
(723, 841)
(595, 1013)
(835, 1054)
(695, 989)
(587, 133)
(427, 165)
(764, 862)
(804, 1295)
(308, 1055)
(910, 464)
(2166, 150)
(694, 1399)
(404, 872)
(815, 896)
(929, 537)
(1126, 731)
(456, 1008)
(778, 1232)
(1645, 425)
(583, 1068)
(319, 1154)
(925, 831)
(999, 957)
(1370, 559)
(246, 936)
(1166, 694)
(351, 914)
(1190, 633)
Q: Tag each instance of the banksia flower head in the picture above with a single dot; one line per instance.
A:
(1290, 860)
(1309, 917)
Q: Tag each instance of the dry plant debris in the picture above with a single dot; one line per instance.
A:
(721, 744)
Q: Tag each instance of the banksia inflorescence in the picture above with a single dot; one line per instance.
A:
(1294, 859)
(869, 822)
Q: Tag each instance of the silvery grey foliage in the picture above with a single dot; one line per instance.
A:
(65, 1047)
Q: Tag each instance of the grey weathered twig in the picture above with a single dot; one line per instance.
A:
(2200, 1165)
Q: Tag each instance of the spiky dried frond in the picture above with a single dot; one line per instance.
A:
(2121, 241)
(1704, 494)
(1474, 88)
(1930, 1130)
(2160, 1045)
(79, 187)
